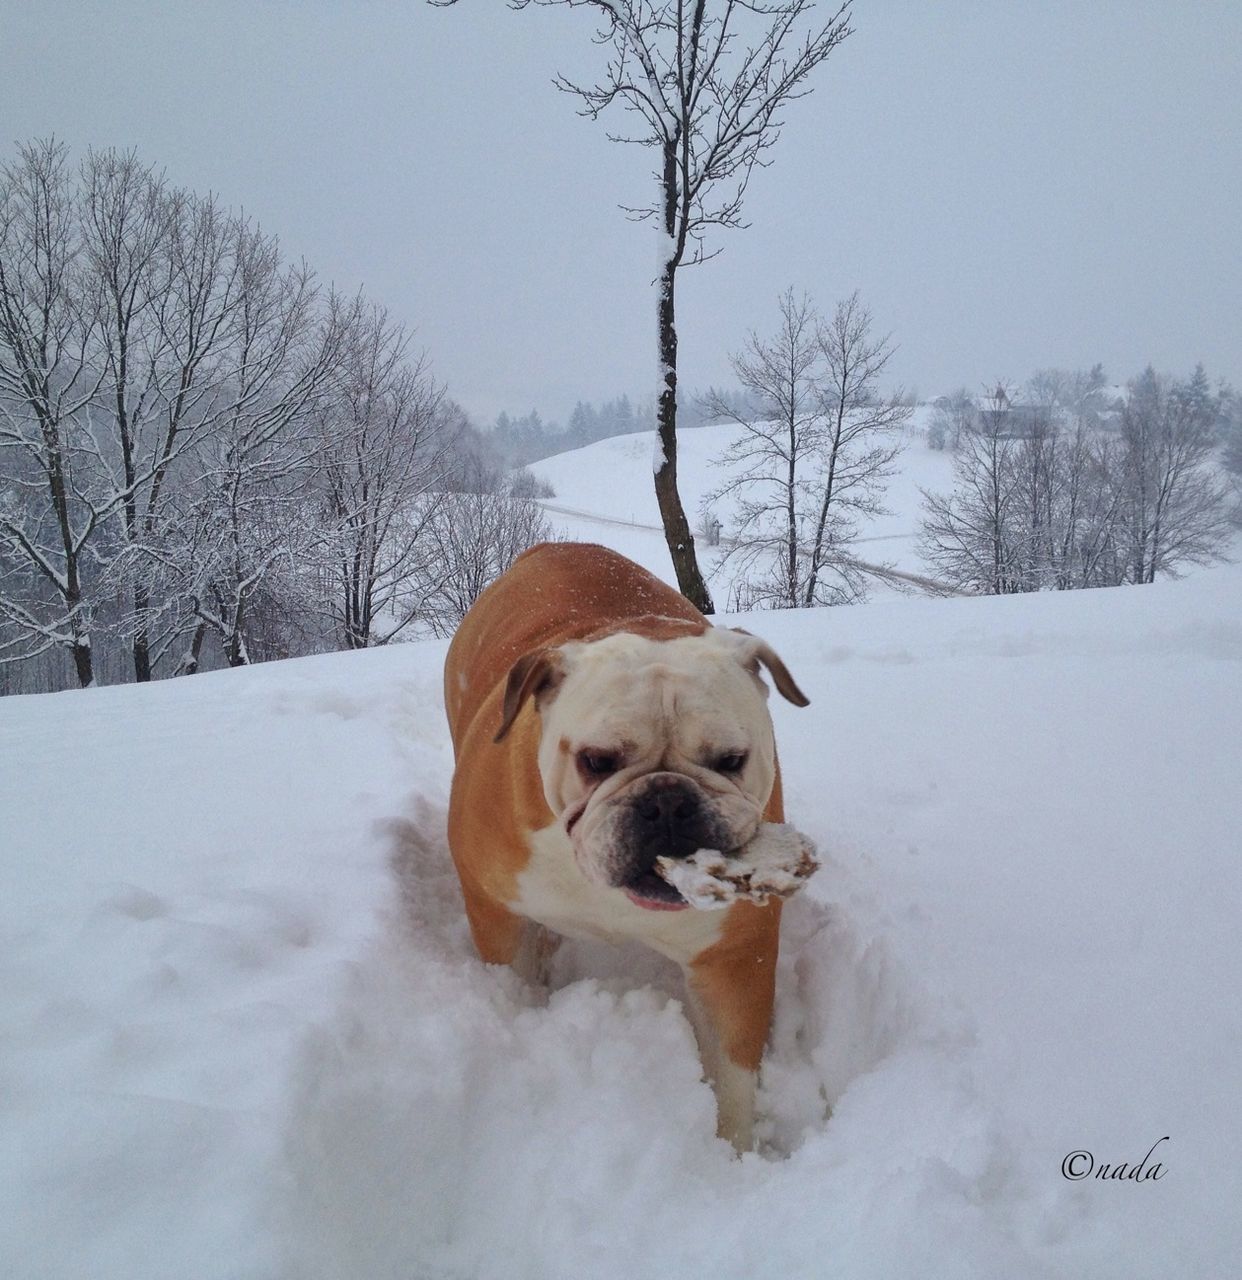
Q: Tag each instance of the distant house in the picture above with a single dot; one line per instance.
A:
(1021, 419)
(1012, 419)
(1112, 401)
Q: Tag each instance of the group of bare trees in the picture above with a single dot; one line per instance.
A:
(199, 445)
(1047, 496)
(475, 534)
(813, 460)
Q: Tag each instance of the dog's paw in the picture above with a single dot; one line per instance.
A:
(776, 863)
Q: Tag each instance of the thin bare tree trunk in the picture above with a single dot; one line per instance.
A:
(817, 548)
(672, 514)
(791, 510)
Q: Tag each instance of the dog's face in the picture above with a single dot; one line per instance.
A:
(653, 747)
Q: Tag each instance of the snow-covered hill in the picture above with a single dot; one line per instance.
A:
(604, 493)
(243, 1032)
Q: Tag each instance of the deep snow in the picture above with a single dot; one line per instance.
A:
(243, 1032)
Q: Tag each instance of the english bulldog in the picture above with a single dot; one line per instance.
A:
(600, 723)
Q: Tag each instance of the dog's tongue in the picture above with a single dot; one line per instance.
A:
(649, 904)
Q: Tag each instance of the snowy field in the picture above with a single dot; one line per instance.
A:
(604, 493)
(243, 1032)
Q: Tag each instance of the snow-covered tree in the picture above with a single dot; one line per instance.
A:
(952, 416)
(54, 505)
(969, 536)
(1045, 499)
(583, 426)
(196, 441)
(477, 532)
(242, 519)
(171, 274)
(1231, 428)
(384, 436)
(1175, 508)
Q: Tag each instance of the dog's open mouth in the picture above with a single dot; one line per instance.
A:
(654, 894)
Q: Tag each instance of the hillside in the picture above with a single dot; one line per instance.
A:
(604, 493)
(235, 1043)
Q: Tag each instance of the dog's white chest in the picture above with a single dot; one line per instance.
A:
(552, 891)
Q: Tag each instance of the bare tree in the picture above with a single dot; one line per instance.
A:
(952, 417)
(814, 460)
(1037, 482)
(858, 446)
(1175, 508)
(51, 512)
(171, 273)
(1086, 505)
(770, 457)
(477, 533)
(244, 518)
(139, 323)
(968, 536)
(186, 423)
(1067, 504)
(384, 443)
(1045, 500)
(1231, 452)
(705, 85)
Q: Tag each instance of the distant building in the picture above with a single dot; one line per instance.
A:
(1013, 419)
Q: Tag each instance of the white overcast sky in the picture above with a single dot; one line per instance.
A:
(1009, 185)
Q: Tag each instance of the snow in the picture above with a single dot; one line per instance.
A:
(190, 873)
(243, 1032)
(604, 494)
(659, 459)
(777, 862)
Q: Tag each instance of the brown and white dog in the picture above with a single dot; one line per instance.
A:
(600, 721)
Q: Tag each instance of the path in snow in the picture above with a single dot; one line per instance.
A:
(886, 573)
(453, 1122)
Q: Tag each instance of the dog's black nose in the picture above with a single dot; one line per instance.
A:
(668, 818)
(667, 808)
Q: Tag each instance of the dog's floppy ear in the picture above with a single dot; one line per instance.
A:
(536, 673)
(752, 651)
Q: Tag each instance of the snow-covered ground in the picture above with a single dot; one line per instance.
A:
(604, 493)
(243, 1032)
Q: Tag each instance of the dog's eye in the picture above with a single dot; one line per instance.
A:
(734, 762)
(599, 764)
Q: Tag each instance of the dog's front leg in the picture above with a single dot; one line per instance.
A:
(731, 988)
(732, 1083)
(533, 959)
(502, 936)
